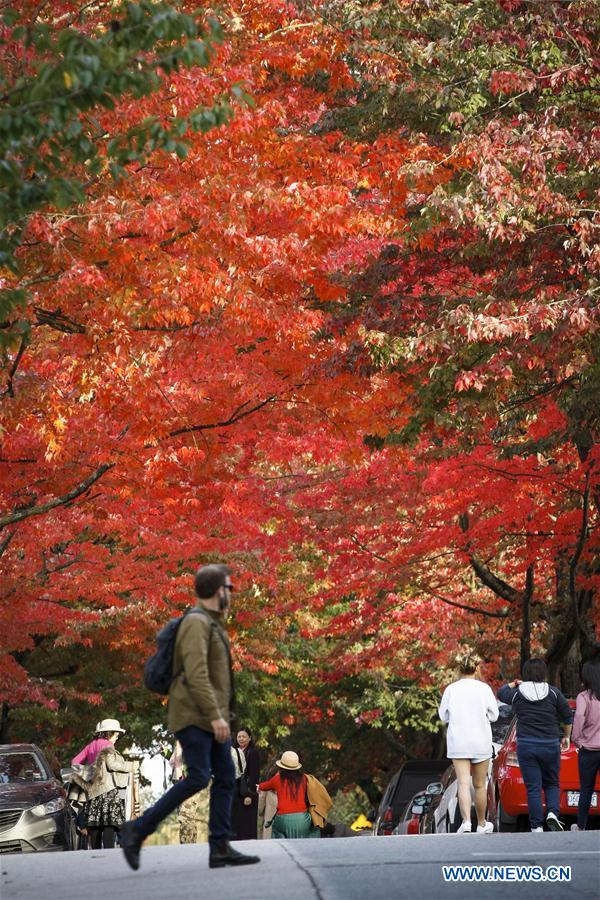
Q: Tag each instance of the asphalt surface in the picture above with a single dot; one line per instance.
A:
(359, 868)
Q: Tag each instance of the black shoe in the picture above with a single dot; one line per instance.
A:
(224, 855)
(131, 844)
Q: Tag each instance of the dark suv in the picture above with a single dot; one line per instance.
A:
(34, 812)
(414, 776)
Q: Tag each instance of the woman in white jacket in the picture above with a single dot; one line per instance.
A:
(468, 706)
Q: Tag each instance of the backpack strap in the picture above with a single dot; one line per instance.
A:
(242, 767)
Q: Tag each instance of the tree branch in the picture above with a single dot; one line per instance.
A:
(475, 609)
(40, 509)
(9, 391)
(500, 587)
(4, 544)
(55, 319)
(236, 415)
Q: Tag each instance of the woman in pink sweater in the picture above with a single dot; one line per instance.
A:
(586, 735)
(104, 810)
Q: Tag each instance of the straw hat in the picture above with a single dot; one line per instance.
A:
(110, 725)
(289, 760)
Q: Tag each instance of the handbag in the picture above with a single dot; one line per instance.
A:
(245, 789)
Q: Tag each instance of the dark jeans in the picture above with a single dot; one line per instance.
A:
(589, 766)
(540, 767)
(203, 757)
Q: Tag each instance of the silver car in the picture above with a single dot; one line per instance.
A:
(34, 812)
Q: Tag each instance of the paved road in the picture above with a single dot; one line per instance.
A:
(360, 868)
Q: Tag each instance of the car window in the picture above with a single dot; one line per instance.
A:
(389, 791)
(21, 768)
(502, 724)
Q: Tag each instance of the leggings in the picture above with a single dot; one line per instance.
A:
(589, 767)
(102, 837)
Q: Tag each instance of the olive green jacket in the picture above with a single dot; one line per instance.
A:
(203, 687)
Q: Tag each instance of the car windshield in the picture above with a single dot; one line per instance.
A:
(20, 768)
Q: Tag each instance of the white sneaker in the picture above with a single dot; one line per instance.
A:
(553, 823)
(486, 828)
(539, 828)
(575, 827)
(464, 828)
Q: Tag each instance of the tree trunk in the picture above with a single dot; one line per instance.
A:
(570, 680)
(526, 616)
(5, 724)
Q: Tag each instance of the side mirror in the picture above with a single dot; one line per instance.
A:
(436, 787)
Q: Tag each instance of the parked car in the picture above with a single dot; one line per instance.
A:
(507, 797)
(428, 823)
(445, 815)
(411, 821)
(34, 812)
(412, 778)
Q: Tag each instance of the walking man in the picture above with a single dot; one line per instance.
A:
(201, 699)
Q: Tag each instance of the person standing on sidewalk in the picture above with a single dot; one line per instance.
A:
(468, 706)
(586, 735)
(104, 809)
(244, 813)
(541, 710)
(201, 700)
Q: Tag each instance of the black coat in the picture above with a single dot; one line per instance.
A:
(244, 818)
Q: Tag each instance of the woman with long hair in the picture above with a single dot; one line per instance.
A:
(468, 706)
(244, 811)
(292, 819)
(586, 735)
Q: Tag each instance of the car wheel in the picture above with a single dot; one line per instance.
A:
(70, 834)
(502, 822)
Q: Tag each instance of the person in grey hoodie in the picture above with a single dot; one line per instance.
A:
(541, 711)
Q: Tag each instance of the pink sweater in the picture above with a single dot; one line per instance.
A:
(90, 752)
(586, 724)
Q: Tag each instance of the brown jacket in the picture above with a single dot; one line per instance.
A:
(319, 801)
(202, 691)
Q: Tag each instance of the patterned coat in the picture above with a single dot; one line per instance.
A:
(108, 772)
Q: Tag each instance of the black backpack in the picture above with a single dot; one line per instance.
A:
(158, 670)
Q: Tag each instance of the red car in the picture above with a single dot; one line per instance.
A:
(507, 797)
